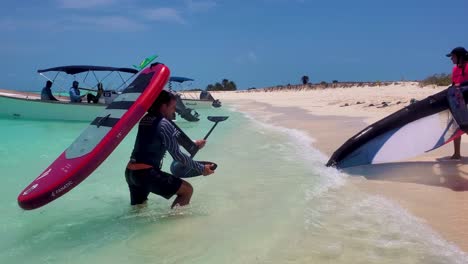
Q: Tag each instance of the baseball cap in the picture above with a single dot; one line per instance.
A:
(459, 51)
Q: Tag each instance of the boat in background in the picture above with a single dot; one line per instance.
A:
(194, 99)
(185, 112)
(111, 89)
(28, 105)
(16, 104)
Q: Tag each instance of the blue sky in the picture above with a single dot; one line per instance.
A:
(254, 43)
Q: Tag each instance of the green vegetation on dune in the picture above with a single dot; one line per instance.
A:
(442, 79)
(225, 85)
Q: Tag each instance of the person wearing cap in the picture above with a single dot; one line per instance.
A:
(459, 57)
(75, 96)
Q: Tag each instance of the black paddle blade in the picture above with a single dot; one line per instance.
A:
(217, 118)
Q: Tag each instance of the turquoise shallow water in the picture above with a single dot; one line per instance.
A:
(270, 201)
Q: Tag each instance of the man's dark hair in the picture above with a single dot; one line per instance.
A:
(49, 83)
(164, 97)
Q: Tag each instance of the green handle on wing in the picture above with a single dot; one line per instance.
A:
(145, 62)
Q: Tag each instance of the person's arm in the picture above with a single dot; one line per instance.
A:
(74, 96)
(168, 135)
(454, 76)
(83, 95)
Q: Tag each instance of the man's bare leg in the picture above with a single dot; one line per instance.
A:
(183, 194)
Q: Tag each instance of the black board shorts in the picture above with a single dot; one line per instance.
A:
(142, 182)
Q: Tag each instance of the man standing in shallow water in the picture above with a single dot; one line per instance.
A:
(459, 57)
(156, 135)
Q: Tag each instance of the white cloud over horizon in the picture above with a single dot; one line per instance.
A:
(252, 57)
(200, 6)
(164, 14)
(75, 22)
(83, 4)
(249, 57)
(14, 24)
(106, 23)
(90, 15)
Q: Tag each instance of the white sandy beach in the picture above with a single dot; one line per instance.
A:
(434, 191)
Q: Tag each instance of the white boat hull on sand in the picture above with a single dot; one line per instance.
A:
(197, 104)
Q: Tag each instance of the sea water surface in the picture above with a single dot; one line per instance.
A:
(271, 200)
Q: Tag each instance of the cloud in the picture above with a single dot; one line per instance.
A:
(7, 24)
(164, 14)
(72, 23)
(11, 24)
(250, 57)
(106, 23)
(199, 6)
(83, 4)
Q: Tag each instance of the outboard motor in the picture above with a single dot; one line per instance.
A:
(205, 95)
(216, 103)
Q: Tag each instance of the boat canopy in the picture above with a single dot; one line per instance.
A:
(179, 79)
(75, 69)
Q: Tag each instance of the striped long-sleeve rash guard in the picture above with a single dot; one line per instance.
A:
(156, 135)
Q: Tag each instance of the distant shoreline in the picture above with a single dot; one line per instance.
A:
(290, 87)
(317, 86)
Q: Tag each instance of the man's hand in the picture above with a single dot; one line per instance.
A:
(200, 143)
(207, 170)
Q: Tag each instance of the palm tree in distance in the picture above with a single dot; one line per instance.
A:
(225, 83)
(305, 79)
(232, 86)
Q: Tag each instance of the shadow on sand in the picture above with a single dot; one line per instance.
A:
(452, 174)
